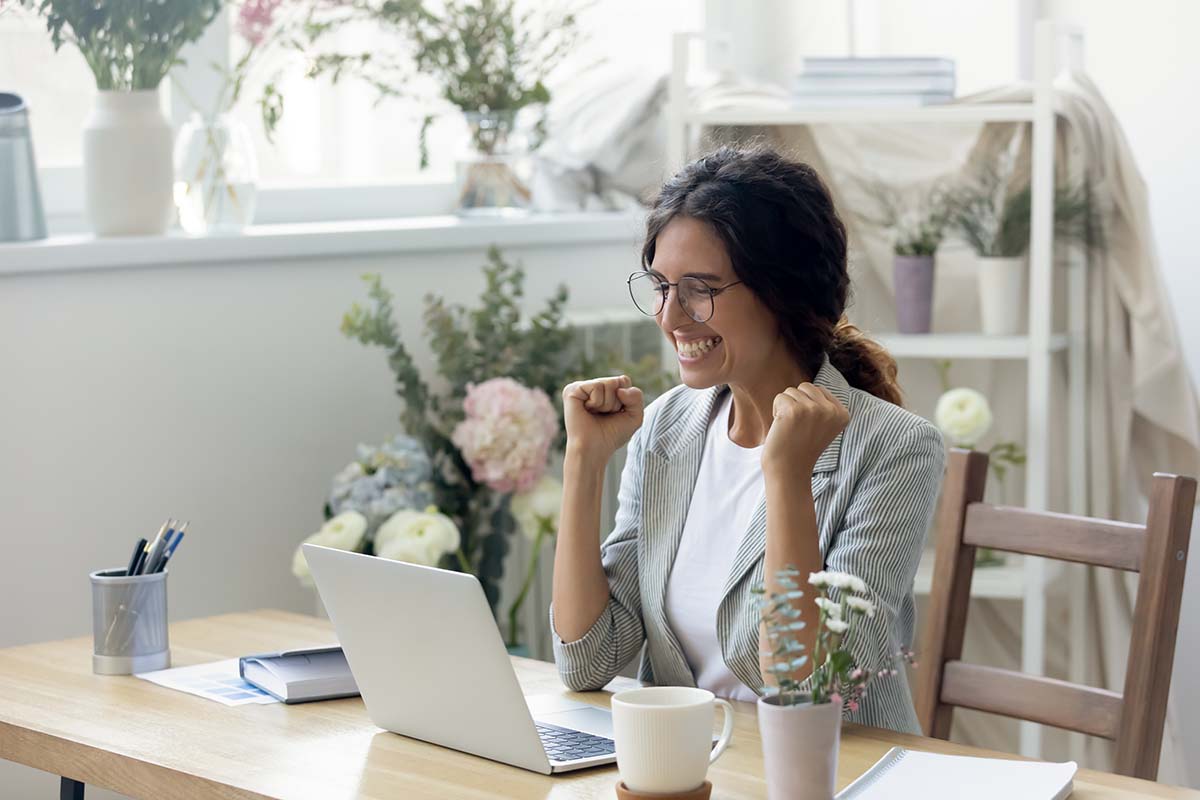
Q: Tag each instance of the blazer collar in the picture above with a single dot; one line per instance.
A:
(695, 416)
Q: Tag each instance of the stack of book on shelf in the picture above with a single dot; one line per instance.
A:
(887, 82)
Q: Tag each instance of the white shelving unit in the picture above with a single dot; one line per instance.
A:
(1026, 580)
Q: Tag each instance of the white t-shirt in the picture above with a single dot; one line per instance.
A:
(729, 487)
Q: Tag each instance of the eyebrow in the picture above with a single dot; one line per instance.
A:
(707, 276)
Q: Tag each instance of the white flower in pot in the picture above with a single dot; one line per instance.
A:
(800, 717)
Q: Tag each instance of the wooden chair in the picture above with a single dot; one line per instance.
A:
(1158, 550)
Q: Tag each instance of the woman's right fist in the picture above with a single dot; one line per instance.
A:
(601, 415)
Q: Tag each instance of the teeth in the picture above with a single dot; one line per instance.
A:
(692, 349)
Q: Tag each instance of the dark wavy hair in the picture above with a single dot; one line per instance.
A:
(788, 245)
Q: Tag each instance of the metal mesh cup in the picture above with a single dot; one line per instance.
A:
(129, 622)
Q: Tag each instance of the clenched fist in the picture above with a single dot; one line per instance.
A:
(601, 415)
(805, 419)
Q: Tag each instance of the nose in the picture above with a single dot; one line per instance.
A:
(672, 315)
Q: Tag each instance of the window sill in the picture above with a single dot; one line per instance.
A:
(317, 240)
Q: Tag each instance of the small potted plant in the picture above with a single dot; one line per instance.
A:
(800, 719)
(918, 225)
(992, 213)
(127, 140)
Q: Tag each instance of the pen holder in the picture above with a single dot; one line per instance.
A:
(129, 622)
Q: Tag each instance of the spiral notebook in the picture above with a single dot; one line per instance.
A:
(933, 776)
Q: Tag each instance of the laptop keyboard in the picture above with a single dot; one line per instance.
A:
(564, 744)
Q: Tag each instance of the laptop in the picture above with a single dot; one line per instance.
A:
(430, 663)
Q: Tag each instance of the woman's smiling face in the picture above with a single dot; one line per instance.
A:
(741, 339)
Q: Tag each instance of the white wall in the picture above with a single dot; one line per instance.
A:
(221, 394)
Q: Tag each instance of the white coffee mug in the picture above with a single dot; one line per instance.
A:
(663, 736)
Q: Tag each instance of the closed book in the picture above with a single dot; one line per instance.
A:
(934, 776)
(874, 84)
(878, 65)
(843, 101)
(300, 676)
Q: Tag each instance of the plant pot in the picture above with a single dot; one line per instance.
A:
(1002, 294)
(489, 184)
(800, 748)
(913, 280)
(216, 175)
(127, 169)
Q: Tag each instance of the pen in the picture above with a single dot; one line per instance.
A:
(156, 549)
(170, 551)
(136, 556)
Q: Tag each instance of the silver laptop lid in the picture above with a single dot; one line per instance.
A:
(427, 655)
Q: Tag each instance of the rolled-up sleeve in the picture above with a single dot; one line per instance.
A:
(617, 635)
(880, 541)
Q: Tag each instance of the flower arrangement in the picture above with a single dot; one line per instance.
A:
(489, 56)
(373, 508)
(128, 46)
(492, 427)
(836, 677)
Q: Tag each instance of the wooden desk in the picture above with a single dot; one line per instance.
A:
(150, 742)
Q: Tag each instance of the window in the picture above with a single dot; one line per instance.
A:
(57, 87)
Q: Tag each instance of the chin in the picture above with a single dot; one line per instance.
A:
(700, 378)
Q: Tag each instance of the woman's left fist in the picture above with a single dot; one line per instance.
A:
(805, 419)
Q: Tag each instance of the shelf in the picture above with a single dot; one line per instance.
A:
(940, 114)
(1004, 582)
(324, 239)
(962, 345)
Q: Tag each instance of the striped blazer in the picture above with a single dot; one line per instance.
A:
(875, 487)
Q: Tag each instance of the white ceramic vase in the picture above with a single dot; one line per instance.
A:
(127, 165)
(1002, 294)
(800, 748)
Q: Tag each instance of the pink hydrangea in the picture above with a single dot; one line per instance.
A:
(255, 18)
(507, 434)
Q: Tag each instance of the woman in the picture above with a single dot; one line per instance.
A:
(785, 446)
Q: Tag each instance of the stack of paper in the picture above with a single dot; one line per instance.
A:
(932, 776)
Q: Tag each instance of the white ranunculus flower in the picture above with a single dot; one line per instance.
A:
(344, 532)
(964, 416)
(836, 625)
(834, 610)
(540, 504)
(861, 604)
(418, 537)
(819, 579)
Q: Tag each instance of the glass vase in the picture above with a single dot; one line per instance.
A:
(488, 168)
(216, 175)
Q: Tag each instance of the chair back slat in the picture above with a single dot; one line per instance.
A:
(945, 620)
(1060, 536)
(1045, 700)
(1158, 550)
(1155, 623)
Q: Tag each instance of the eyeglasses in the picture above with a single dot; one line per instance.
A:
(649, 292)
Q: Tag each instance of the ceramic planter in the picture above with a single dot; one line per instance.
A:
(913, 282)
(1002, 295)
(127, 165)
(800, 748)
